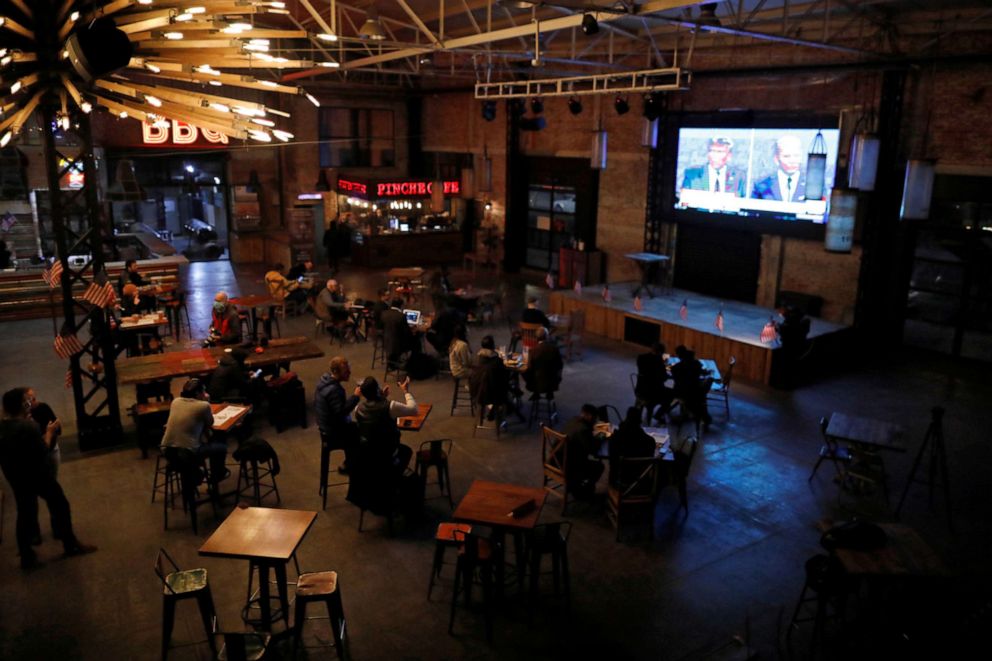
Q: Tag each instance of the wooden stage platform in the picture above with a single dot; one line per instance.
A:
(659, 320)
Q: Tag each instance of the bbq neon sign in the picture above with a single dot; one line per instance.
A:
(180, 133)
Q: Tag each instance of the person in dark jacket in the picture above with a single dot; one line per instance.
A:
(544, 366)
(490, 381)
(397, 337)
(534, 315)
(333, 407)
(629, 440)
(442, 330)
(690, 386)
(651, 377)
(582, 472)
(23, 459)
(232, 380)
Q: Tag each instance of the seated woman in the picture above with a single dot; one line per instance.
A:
(460, 355)
(629, 440)
(281, 288)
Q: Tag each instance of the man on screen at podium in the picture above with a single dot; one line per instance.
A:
(716, 176)
(787, 183)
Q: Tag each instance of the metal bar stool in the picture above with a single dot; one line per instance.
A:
(320, 586)
(435, 453)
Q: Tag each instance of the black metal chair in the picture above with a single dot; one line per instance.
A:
(832, 451)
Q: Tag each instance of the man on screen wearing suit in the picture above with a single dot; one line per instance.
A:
(716, 176)
(787, 182)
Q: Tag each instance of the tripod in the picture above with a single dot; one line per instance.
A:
(934, 442)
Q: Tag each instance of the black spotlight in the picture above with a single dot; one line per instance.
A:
(97, 48)
(589, 24)
(489, 110)
(652, 107)
(620, 105)
(517, 107)
(574, 105)
(536, 106)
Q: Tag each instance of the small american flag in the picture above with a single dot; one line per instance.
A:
(637, 303)
(769, 333)
(68, 379)
(100, 292)
(684, 309)
(7, 221)
(719, 320)
(53, 275)
(578, 288)
(607, 296)
(66, 343)
(549, 280)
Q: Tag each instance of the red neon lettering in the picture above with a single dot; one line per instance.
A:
(183, 133)
(381, 190)
(153, 135)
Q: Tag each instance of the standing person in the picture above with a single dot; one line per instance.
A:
(787, 182)
(188, 426)
(717, 176)
(333, 407)
(225, 327)
(43, 415)
(23, 459)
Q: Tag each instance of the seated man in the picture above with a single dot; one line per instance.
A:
(690, 386)
(333, 408)
(533, 315)
(544, 366)
(225, 326)
(231, 380)
(299, 270)
(397, 336)
(131, 276)
(189, 425)
(382, 458)
(330, 305)
(581, 471)
(282, 289)
(651, 377)
(629, 440)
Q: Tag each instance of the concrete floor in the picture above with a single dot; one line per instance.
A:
(737, 556)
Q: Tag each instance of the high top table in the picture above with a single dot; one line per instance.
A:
(648, 263)
(267, 537)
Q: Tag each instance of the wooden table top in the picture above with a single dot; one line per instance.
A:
(490, 504)
(410, 273)
(259, 533)
(199, 361)
(905, 554)
(233, 421)
(143, 323)
(254, 301)
(866, 431)
(472, 294)
(415, 422)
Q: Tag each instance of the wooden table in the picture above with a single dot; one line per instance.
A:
(268, 537)
(905, 554)
(415, 422)
(866, 432)
(234, 420)
(253, 302)
(648, 263)
(410, 273)
(145, 322)
(490, 504)
(191, 362)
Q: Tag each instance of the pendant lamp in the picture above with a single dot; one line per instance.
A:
(862, 163)
(816, 168)
(598, 159)
(917, 189)
(840, 224)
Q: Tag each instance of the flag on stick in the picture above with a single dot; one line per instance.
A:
(66, 343)
(607, 296)
(637, 303)
(549, 280)
(578, 288)
(100, 292)
(52, 276)
(769, 333)
(684, 309)
(68, 379)
(719, 320)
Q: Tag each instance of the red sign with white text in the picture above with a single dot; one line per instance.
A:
(383, 189)
(346, 186)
